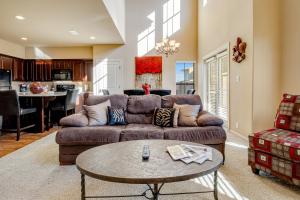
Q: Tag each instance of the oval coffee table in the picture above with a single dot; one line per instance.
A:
(122, 163)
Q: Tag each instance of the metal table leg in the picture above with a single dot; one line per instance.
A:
(155, 192)
(216, 185)
(82, 187)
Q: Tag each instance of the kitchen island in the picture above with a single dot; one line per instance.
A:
(41, 102)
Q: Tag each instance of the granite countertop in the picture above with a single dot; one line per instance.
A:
(43, 94)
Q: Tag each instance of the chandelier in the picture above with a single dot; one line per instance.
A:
(167, 47)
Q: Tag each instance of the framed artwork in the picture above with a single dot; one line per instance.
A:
(148, 69)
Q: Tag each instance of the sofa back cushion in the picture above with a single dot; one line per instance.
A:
(144, 104)
(139, 118)
(288, 114)
(168, 101)
(116, 100)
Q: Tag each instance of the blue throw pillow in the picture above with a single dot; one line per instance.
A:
(116, 116)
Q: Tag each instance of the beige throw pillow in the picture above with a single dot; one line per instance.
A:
(187, 114)
(97, 114)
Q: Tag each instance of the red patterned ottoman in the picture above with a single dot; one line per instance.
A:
(277, 151)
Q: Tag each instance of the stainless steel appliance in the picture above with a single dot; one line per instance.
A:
(62, 74)
(5, 79)
(64, 87)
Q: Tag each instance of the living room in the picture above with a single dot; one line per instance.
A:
(94, 93)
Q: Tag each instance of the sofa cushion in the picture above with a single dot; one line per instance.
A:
(164, 117)
(116, 100)
(187, 114)
(288, 115)
(141, 132)
(279, 142)
(89, 135)
(76, 120)
(97, 114)
(144, 104)
(116, 116)
(207, 119)
(139, 118)
(168, 101)
(202, 135)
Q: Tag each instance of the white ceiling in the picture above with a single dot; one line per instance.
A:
(48, 23)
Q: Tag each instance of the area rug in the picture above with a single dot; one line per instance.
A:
(33, 172)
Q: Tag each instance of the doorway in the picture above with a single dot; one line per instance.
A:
(108, 75)
(216, 70)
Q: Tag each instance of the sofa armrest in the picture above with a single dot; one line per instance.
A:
(207, 119)
(75, 120)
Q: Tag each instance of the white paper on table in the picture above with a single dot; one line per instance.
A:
(199, 150)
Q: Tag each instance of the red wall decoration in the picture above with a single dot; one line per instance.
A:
(148, 64)
(148, 69)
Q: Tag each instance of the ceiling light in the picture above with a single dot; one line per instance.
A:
(24, 38)
(92, 37)
(73, 32)
(167, 47)
(19, 17)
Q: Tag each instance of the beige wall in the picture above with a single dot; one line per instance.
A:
(220, 22)
(290, 47)
(59, 53)
(267, 56)
(136, 22)
(12, 49)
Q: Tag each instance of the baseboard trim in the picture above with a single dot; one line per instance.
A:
(238, 134)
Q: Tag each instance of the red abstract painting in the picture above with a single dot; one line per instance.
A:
(148, 64)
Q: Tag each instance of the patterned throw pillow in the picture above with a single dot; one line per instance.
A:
(164, 117)
(288, 115)
(116, 116)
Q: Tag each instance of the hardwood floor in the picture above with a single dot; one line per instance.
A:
(9, 144)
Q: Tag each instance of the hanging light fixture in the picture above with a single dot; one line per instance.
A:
(167, 47)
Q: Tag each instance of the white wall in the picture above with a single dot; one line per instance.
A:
(221, 22)
(116, 9)
(137, 22)
(59, 53)
(12, 49)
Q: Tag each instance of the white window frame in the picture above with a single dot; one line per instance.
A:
(224, 49)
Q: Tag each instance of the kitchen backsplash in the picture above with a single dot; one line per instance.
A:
(82, 86)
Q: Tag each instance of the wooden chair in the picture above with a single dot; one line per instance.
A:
(10, 109)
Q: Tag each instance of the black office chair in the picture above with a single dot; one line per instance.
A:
(191, 91)
(160, 92)
(64, 105)
(104, 92)
(134, 92)
(10, 111)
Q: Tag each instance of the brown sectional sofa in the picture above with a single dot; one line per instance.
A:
(76, 137)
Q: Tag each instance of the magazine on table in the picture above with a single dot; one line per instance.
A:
(190, 153)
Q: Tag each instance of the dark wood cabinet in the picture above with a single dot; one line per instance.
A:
(18, 69)
(79, 71)
(6, 62)
(40, 70)
(47, 70)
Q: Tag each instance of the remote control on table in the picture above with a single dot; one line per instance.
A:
(146, 152)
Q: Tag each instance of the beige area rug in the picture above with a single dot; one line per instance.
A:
(33, 173)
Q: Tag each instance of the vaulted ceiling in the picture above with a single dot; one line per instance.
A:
(49, 22)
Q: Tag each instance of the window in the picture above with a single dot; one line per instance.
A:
(146, 39)
(171, 17)
(184, 77)
(217, 89)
